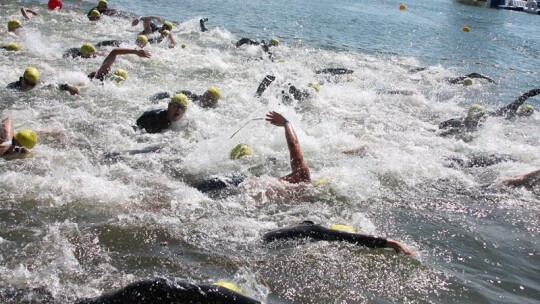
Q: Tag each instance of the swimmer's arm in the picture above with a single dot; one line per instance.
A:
(300, 169)
(25, 11)
(71, 89)
(398, 247)
(7, 135)
(522, 180)
(478, 75)
(111, 58)
(267, 81)
(146, 23)
(172, 41)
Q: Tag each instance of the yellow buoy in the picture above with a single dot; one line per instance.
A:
(402, 7)
(466, 28)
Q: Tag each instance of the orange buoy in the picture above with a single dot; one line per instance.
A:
(402, 7)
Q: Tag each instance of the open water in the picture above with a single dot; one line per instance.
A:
(86, 213)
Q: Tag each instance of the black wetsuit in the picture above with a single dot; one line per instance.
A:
(265, 47)
(310, 230)
(219, 183)
(16, 85)
(103, 11)
(170, 291)
(115, 43)
(461, 79)
(162, 95)
(154, 121)
(287, 96)
(334, 71)
(203, 27)
(72, 52)
(478, 160)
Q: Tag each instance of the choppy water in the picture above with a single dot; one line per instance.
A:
(80, 219)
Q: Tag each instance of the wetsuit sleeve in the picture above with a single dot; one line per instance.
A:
(267, 81)
(149, 122)
(115, 43)
(319, 233)
(160, 95)
(192, 96)
(16, 85)
(452, 123)
(246, 41)
(203, 27)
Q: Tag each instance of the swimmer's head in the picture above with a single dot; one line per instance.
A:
(476, 111)
(274, 41)
(165, 33)
(525, 110)
(13, 47)
(240, 151)
(324, 184)
(13, 24)
(467, 81)
(343, 227)
(102, 4)
(230, 286)
(211, 97)
(88, 50)
(27, 138)
(120, 75)
(167, 25)
(315, 85)
(31, 75)
(180, 99)
(142, 41)
(94, 15)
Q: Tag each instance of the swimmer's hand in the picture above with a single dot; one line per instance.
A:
(398, 247)
(276, 119)
(143, 53)
(72, 90)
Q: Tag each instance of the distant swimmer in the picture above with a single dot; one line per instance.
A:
(30, 80)
(105, 67)
(26, 12)
(103, 9)
(335, 71)
(290, 92)
(274, 42)
(291, 183)
(338, 233)
(529, 180)
(209, 99)
(165, 290)
(15, 144)
(88, 50)
(478, 160)
(467, 79)
(477, 114)
(14, 25)
(158, 120)
(203, 26)
(12, 47)
(149, 27)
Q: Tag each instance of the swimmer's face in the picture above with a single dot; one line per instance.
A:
(175, 111)
(208, 100)
(93, 18)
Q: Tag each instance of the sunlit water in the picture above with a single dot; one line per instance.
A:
(83, 216)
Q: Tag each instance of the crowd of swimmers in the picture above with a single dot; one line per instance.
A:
(156, 30)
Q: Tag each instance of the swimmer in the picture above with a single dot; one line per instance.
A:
(291, 183)
(102, 9)
(335, 71)
(165, 290)
(88, 50)
(208, 99)
(467, 79)
(14, 26)
(201, 23)
(12, 47)
(105, 67)
(274, 42)
(478, 160)
(15, 144)
(291, 92)
(529, 181)
(477, 114)
(150, 27)
(30, 80)
(156, 121)
(310, 230)
(26, 11)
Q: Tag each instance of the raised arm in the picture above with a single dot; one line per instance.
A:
(512, 108)
(6, 135)
(300, 169)
(111, 58)
(264, 84)
(172, 40)
(146, 23)
(25, 11)
(528, 180)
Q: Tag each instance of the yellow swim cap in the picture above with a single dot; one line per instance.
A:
(526, 110)
(344, 228)
(168, 25)
(88, 50)
(181, 99)
(274, 41)
(27, 138)
(95, 13)
(230, 286)
(467, 81)
(214, 92)
(315, 85)
(13, 24)
(13, 47)
(241, 150)
(324, 184)
(165, 33)
(31, 75)
(120, 75)
(142, 40)
(476, 111)
(102, 4)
